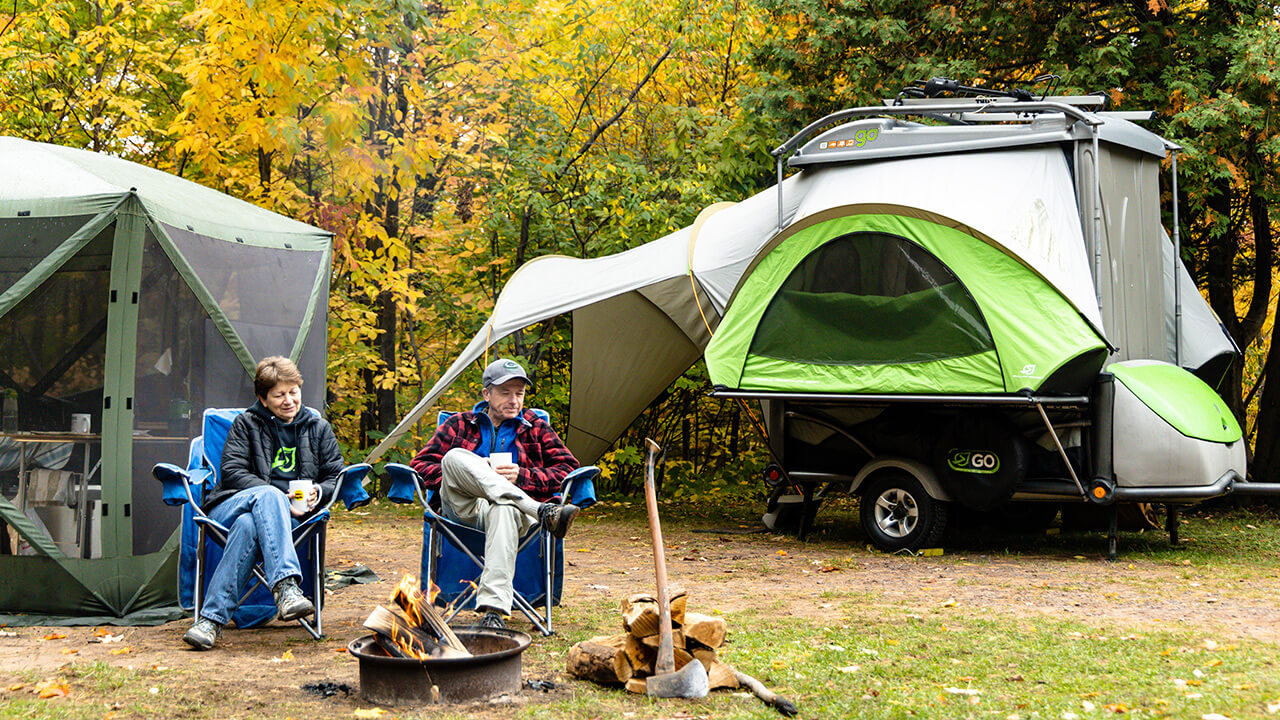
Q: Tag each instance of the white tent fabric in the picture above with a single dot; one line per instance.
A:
(1202, 337)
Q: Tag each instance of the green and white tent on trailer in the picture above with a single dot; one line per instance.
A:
(138, 299)
(1000, 260)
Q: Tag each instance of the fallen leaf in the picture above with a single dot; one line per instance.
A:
(370, 712)
(1214, 662)
(1210, 645)
(1273, 707)
(18, 686)
(52, 688)
(1118, 708)
(1088, 706)
(101, 632)
(782, 552)
(54, 636)
(70, 651)
(949, 602)
(122, 651)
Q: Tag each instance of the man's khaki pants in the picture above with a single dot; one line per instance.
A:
(473, 494)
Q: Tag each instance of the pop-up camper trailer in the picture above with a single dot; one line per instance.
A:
(954, 302)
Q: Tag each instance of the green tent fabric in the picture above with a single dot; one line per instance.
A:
(138, 299)
(965, 317)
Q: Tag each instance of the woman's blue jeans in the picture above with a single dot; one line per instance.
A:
(261, 529)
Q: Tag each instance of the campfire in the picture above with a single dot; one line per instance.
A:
(417, 630)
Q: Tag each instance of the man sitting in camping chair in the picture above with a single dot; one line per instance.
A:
(505, 497)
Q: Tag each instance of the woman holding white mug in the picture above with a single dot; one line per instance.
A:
(273, 447)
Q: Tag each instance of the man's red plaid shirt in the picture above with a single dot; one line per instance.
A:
(543, 459)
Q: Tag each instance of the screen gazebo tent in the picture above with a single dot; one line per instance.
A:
(139, 299)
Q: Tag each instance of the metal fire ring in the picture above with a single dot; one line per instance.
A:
(493, 669)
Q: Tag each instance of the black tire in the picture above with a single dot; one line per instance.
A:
(898, 514)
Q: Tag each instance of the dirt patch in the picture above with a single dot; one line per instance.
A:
(610, 557)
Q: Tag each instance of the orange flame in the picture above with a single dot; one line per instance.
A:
(411, 600)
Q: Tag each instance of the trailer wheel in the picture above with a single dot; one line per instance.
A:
(897, 513)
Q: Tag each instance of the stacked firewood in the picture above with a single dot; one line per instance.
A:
(628, 658)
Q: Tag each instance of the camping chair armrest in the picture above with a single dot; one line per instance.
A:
(351, 487)
(579, 487)
(406, 484)
(177, 483)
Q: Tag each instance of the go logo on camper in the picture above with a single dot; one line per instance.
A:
(973, 461)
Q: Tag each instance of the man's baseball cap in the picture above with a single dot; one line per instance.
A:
(500, 371)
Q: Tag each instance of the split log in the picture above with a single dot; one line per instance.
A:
(394, 629)
(640, 655)
(601, 659)
(678, 600)
(422, 612)
(682, 657)
(721, 675)
(706, 656)
(708, 630)
(640, 613)
(677, 639)
(638, 685)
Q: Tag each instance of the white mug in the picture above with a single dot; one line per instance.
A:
(300, 494)
(79, 422)
(496, 459)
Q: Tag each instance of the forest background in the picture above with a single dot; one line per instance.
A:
(446, 143)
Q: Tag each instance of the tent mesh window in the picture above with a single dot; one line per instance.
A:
(56, 340)
(267, 328)
(169, 387)
(870, 298)
(29, 240)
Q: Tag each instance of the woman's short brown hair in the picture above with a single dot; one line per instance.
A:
(273, 371)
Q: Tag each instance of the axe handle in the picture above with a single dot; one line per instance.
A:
(665, 662)
(770, 698)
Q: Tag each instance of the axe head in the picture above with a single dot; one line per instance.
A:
(689, 681)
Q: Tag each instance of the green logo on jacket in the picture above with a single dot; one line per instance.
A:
(286, 460)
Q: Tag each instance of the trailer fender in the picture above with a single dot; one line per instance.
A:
(925, 474)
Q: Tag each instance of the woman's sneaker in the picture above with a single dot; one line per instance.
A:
(203, 635)
(290, 602)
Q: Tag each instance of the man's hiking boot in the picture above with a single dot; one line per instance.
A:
(492, 619)
(203, 635)
(556, 519)
(290, 601)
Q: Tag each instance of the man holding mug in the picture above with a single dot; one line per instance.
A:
(496, 468)
(280, 461)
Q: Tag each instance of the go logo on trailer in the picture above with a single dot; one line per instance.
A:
(973, 461)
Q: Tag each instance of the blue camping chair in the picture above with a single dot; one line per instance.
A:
(453, 553)
(203, 538)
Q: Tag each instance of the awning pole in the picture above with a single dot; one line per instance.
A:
(779, 165)
(1177, 278)
(1097, 219)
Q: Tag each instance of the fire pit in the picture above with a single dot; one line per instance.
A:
(492, 669)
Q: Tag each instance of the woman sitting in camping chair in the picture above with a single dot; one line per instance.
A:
(272, 443)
